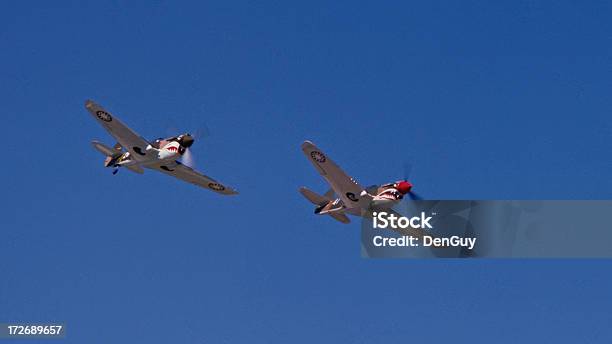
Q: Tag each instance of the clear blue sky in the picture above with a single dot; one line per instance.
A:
(499, 100)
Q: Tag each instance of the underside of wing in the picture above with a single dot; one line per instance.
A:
(344, 186)
(135, 168)
(185, 173)
(130, 140)
(340, 217)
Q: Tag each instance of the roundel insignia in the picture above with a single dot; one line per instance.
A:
(216, 186)
(317, 156)
(103, 115)
(352, 197)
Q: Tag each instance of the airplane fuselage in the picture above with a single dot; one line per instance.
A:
(167, 151)
(385, 198)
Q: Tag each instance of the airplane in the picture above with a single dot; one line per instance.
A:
(351, 198)
(135, 153)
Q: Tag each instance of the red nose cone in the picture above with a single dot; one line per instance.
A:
(404, 187)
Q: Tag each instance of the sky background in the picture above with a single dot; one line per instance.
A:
(488, 100)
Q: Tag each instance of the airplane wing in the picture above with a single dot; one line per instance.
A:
(192, 176)
(131, 141)
(344, 186)
(340, 217)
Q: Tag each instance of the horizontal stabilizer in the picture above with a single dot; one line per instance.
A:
(104, 149)
(313, 197)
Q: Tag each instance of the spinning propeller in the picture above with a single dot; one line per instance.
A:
(187, 158)
(405, 187)
(187, 140)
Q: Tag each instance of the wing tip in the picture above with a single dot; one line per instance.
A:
(89, 103)
(307, 144)
(228, 191)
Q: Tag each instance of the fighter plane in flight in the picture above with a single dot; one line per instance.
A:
(351, 198)
(135, 153)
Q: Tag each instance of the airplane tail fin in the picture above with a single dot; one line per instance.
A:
(322, 200)
(112, 154)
